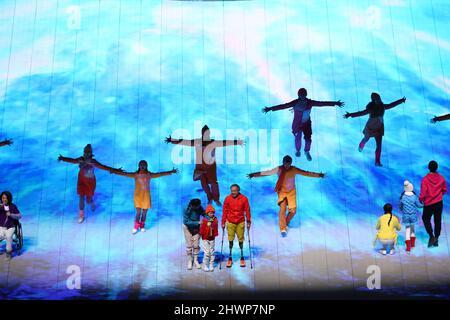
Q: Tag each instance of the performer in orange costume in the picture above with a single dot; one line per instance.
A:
(285, 187)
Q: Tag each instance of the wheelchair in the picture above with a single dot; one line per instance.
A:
(17, 238)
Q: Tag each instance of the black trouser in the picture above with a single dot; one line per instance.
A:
(435, 210)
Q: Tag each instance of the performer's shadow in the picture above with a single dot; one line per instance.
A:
(136, 290)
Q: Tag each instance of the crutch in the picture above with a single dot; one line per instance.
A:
(221, 249)
(250, 248)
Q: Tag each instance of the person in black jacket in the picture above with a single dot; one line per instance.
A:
(9, 216)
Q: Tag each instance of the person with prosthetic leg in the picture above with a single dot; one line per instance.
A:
(236, 210)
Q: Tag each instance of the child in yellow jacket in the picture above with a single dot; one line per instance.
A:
(387, 225)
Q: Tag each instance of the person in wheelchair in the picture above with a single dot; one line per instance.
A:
(9, 218)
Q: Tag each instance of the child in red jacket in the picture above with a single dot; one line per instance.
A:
(209, 231)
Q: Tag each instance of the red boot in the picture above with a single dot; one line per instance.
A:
(136, 227)
(408, 246)
(413, 242)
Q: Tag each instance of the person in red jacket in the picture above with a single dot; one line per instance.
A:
(301, 124)
(432, 190)
(236, 210)
(209, 230)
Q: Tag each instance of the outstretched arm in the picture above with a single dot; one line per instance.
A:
(164, 173)
(227, 143)
(263, 173)
(119, 172)
(441, 118)
(184, 142)
(69, 160)
(356, 114)
(395, 103)
(309, 173)
(338, 103)
(104, 167)
(6, 142)
(280, 106)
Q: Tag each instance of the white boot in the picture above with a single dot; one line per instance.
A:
(81, 216)
(197, 265)
(189, 263)
(211, 264)
(205, 263)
